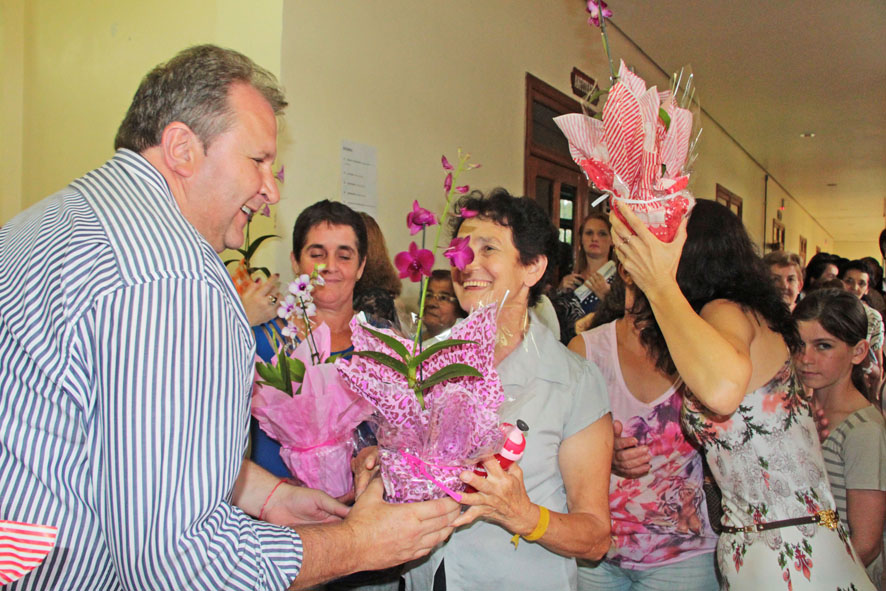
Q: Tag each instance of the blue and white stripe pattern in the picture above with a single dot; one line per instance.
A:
(126, 364)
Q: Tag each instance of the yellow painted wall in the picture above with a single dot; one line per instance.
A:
(81, 64)
(417, 80)
(11, 100)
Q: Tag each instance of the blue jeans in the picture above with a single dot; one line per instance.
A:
(693, 574)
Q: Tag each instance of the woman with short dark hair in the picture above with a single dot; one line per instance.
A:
(557, 496)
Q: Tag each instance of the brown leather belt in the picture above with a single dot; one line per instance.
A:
(826, 518)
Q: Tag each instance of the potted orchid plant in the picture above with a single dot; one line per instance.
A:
(416, 264)
(299, 399)
(436, 407)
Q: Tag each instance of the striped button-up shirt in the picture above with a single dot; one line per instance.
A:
(125, 372)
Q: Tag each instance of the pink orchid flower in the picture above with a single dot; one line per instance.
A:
(593, 9)
(419, 218)
(414, 263)
(446, 164)
(468, 213)
(280, 174)
(462, 189)
(459, 252)
(447, 184)
(266, 210)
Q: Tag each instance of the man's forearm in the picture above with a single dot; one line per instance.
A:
(252, 487)
(329, 552)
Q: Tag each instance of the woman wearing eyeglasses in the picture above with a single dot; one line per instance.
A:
(441, 305)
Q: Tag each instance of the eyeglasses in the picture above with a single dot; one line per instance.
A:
(441, 297)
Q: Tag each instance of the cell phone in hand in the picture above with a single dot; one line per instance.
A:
(607, 270)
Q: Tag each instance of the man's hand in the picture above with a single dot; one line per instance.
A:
(295, 505)
(629, 460)
(364, 466)
(375, 535)
(387, 534)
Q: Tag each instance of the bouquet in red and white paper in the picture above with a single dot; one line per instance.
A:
(641, 150)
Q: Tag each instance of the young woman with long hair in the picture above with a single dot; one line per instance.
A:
(833, 326)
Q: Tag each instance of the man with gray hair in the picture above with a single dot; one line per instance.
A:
(126, 364)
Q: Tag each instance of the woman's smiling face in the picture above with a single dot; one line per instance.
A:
(334, 246)
(496, 269)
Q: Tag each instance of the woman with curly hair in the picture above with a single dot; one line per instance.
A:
(718, 319)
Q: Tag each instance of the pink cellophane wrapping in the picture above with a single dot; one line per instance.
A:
(23, 546)
(459, 424)
(623, 154)
(314, 428)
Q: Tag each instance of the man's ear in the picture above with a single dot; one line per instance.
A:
(535, 270)
(181, 148)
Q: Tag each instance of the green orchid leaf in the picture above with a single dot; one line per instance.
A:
(335, 357)
(456, 370)
(229, 261)
(439, 346)
(296, 369)
(270, 376)
(391, 342)
(264, 270)
(385, 360)
(283, 368)
(255, 244)
(665, 118)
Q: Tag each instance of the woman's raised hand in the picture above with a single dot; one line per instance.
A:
(650, 262)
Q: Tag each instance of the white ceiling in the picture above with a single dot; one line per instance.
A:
(769, 70)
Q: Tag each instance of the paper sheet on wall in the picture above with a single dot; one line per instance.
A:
(359, 177)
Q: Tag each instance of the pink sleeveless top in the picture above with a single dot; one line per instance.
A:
(660, 518)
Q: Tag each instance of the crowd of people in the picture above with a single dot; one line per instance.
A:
(715, 421)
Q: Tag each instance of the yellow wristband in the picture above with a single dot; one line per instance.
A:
(544, 519)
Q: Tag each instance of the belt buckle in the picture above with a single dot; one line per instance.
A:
(752, 529)
(828, 519)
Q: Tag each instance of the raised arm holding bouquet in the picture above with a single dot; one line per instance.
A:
(716, 317)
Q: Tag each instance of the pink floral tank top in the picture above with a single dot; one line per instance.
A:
(661, 517)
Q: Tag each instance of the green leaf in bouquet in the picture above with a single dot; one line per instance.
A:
(263, 270)
(454, 370)
(385, 360)
(271, 376)
(665, 118)
(391, 342)
(229, 261)
(247, 254)
(439, 346)
(296, 369)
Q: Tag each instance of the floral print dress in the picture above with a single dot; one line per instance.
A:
(768, 463)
